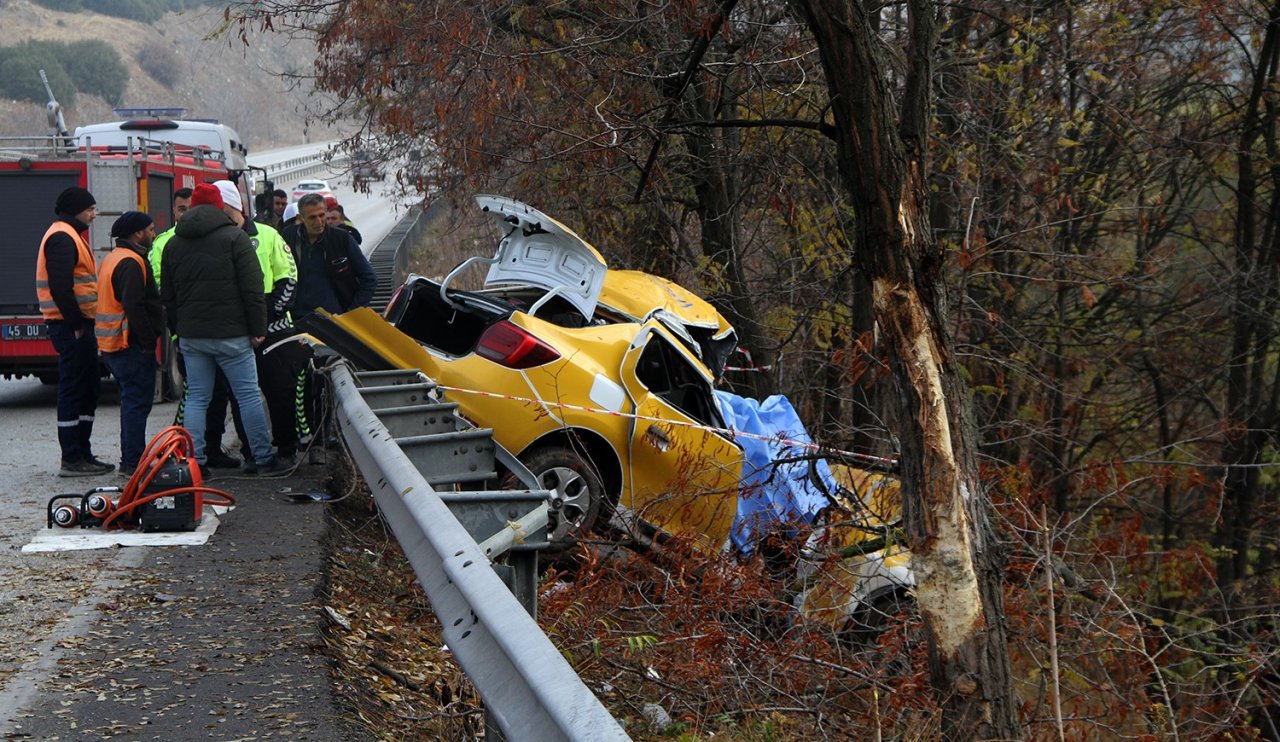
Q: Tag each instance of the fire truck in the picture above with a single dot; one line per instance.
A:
(134, 164)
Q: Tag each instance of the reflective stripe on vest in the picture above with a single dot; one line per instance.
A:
(111, 327)
(84, 278)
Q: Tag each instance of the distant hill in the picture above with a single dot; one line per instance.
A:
(172, 63)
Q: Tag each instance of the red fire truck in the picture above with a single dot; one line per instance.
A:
(133, 164)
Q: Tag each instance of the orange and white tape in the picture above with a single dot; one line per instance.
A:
(731, 434)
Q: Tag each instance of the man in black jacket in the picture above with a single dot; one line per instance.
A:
(66, 287)
(129, 323)
(332, 271)
(213, 290)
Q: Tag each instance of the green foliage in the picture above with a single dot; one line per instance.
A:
(97, 69)
(88, 66)
(20, 73)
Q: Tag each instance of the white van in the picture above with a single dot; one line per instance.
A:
(216, 140)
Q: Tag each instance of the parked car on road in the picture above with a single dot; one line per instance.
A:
(303, 187)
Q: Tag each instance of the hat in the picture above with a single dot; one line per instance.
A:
(290, 212)
(206, 193)
(330, 203)
(73, 201)
(130, 222)
(230, 194)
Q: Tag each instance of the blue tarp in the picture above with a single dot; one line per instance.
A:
(774, 498)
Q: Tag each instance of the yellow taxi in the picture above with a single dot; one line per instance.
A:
(600, 381)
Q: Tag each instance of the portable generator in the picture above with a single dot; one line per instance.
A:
(165, 493)
(179, 511)
(173, 500)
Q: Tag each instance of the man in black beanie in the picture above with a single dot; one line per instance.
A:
(67, 289)
(128, 325)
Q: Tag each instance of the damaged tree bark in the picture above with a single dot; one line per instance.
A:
(881, 149)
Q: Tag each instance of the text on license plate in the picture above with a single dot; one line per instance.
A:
(37, 331)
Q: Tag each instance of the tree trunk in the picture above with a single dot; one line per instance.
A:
(881, 153)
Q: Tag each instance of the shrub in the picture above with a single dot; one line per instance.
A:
(20, 74)
(96, 68)
(159, 60)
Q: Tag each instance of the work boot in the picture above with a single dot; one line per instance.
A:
(103, 467)
(81, 468)
(220, 460)
(274, 466)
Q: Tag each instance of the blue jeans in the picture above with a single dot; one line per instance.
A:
(135, 373)
(78, 385)
(235, 357)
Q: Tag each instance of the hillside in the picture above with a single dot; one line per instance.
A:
(214, 78)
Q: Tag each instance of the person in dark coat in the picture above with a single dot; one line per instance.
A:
(333, 273)
(213, 291)
(67, 290)
(128, 326)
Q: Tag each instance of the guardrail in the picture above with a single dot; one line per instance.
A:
(403, 440)
(306, 163)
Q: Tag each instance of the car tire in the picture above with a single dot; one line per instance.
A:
(893, 610)
(574, 479)
(171, 377)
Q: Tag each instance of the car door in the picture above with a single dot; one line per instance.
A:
(685, 469)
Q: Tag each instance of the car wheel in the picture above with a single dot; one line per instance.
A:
(575, 481)
(889, 629)
(171, 377)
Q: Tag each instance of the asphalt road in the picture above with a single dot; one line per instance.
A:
(220, 641)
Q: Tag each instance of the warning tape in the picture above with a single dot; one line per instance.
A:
(778, 439)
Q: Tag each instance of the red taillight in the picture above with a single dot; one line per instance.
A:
(512, 347)
(386, 311)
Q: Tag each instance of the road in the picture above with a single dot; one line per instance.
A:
(374, 213)
(62, 621)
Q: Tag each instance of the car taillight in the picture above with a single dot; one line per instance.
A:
(386, 312)
(513, 347)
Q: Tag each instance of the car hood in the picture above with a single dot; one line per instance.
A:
(537, 250)
(643, 296)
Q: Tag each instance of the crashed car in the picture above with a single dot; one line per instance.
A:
(601, 382)
(597, 380)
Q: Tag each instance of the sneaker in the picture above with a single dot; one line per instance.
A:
(220, 460)
(81, 468)
(127, 471)
(102, 465)
(205, 474)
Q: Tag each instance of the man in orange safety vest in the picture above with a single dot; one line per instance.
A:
(128, 326)
(67, 290)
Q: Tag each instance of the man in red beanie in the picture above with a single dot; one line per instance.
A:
(212, 288)
(67, 289)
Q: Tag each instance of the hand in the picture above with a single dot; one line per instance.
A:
(257, 341)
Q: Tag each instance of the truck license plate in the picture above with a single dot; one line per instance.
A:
(36, 331)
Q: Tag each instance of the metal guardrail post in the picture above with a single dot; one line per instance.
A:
(529, 690)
